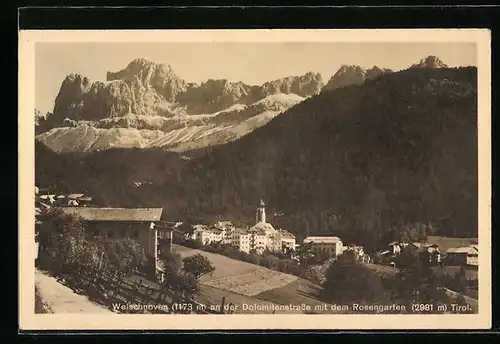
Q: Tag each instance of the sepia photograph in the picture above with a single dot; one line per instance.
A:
(291, 178)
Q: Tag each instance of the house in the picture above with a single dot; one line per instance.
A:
(262, 236)
(288, 240)
(386, 257)
(394, 247)
(85, 201)
(467, 255)
(328, 245)
(47, 199)
(75, 196)
(259, 239)
(433, 253)
(207, 235)
(356, 252)
(240, 238)
(136, 223)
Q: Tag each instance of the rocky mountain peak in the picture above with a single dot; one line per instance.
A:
(304, 85)
(430, 62)
(375, 72)
(346, 75)
(354, 75)
(160, 77)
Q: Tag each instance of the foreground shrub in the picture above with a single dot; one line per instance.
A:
(197, 265)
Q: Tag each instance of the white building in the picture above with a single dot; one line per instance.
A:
(259, 237)
(206, 235)
(265, 236)
(328, 245)
(240, 238)
(468, 255)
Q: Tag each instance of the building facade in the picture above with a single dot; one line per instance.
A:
(137, 224)
(468, 255)
(260, 237)
(325, 245)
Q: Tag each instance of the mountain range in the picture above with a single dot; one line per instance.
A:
(147, 105)
(358, 161)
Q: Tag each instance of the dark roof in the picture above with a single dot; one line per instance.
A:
(114, 214)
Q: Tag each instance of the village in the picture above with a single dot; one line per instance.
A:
(157, 236)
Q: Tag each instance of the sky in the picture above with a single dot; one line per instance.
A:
(251, 63)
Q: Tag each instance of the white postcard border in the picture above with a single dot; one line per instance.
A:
(28, 320)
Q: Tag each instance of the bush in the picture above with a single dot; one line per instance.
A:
(123, 254)
(63, 242)
(254, 258)
(185, 285)
(348, 281)
(172, 262)
(198, 265)
(270, 262)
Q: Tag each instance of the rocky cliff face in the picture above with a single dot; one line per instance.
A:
(430, 62)
(159, 77)
(353, 75)
(305, 85)
(146, 102)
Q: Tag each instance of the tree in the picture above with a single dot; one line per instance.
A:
(184, 285)
(62, 239)
(269, 261)
(350, 281)
(463, 306)
(459, 281)
(120, 254)
(416, 281)
(415, 232)
(198, 265)
(172, 262)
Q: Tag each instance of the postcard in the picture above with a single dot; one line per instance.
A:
(254, 179)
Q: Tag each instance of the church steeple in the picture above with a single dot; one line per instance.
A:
(260, 215)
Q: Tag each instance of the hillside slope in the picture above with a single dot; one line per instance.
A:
(355, 161)
(360, 159)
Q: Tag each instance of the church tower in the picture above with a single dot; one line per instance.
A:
(260, 215)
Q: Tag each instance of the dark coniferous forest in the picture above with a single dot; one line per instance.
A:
(359, 162)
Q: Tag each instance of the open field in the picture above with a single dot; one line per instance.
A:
(237, 276)
(242, 282)
(298, 292)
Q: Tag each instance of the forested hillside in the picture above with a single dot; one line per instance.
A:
(357, 162)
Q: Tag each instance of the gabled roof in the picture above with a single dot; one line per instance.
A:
(262, 226)
(466, 249)
(114, 214)
(75, 196)
(286, 234)
(322, 239)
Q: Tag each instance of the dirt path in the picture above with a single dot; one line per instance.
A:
(54, 297)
